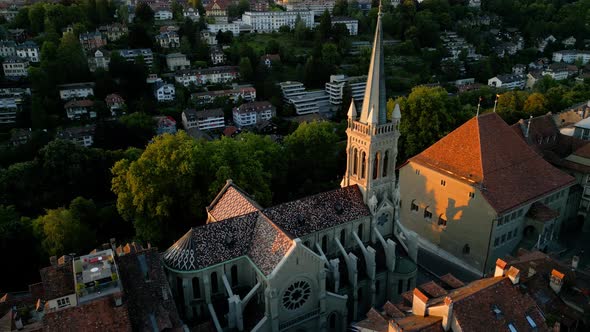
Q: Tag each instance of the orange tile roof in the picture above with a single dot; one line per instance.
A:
(420, 295)
(231, 202)
(557, 274)
(501, 264)
(486, 152)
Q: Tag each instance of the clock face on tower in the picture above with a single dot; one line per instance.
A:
(296, 295)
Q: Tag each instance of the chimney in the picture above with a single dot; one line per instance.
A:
(419, 303)
(556, 280)
(514, 275)
(448, 315)
(575, 262)
(53, 260)
(500, 268)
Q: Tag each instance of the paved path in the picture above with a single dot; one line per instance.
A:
(439, 267)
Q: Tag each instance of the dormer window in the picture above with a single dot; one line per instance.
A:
(427, 214)
(442, 221)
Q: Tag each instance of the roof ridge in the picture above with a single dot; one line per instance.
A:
(480, 152)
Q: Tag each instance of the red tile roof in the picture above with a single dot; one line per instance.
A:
(451, 281)
(79, 103)
(486, 152)
(231, 202)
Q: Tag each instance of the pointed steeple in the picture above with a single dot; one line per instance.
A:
(374, 104)
(352, 110)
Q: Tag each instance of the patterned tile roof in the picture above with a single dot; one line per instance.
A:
(251, 235)
(318, 212)
(485, 151)
(57, 280)
(231, 202)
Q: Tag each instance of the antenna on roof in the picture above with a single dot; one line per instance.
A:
(478, 106)
(528, 127)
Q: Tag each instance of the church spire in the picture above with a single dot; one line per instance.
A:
(374, 104)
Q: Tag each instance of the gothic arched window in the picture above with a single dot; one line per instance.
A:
(363, 164)
(325, 244)
(343, 237)
(385, 163)
(214, 283)
(196, 288)
(360, 232)
(355, 161)
(376, 165)
(234, 275)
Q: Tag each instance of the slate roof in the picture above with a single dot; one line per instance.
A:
(251, 235)
(486, 152)
(147, 291)
(58, 281)
(318, 212)
(231, 202)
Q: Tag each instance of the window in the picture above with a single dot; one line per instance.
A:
(360, 231)
(427, 214)
(496, 241)
(214, 283)
(296, 295)
(466, 249)
(509, 236)
(196, 288)
(385, 163)
(325, 244)
(400, 286)
(418, 173)
(443, 183)
(409, 284)
(414, 207)
(234, 275)
(355, 161)
(63, 302)
(520, 212)
(471, 195)
(442, 221)
(503, 239)
(513, 216)
(376, 165)
(343, 237)
(363, 164)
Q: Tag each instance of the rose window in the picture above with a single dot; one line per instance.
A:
(296, 295)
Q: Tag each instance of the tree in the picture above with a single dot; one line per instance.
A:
(312, 159)
(340, 8)
(535, 104)
(37, 18)
(330, 54)
(511, 104)
(325, 26)
(62, 232)
(149, 192)
(246, 71)
(71, 58)
(144, 15)
(428, 114)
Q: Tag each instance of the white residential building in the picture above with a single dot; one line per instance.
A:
(246, 92)
(191, 14)
(164, 91)
(273, 20)
(208, 37)
(291, 89)
(7, 48)
(162, 15)
(78, 109)
(222, 74)
(571, 56)
(15, 67)
(557, 71)
(114, 31)
(28, 50)
(100, 60)
(508, 82)
(9, 106)
(132, 55)
(223, 27)
(335, 88)
(203, 120)
(76, 90)
(168, 39)
(316, 6)
(249, 114)
(177, 61)
(352, 24)
(311, 102)
(217, 55)
(83, 136)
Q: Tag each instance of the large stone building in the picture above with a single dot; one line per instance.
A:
(312, 264)
(473, 195)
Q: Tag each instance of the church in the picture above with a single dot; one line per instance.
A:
(314, 264)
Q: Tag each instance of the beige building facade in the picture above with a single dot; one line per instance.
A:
(473, 195)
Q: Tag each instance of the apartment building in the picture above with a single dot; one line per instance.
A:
(271, 21)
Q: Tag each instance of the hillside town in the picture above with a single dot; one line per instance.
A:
(295, 165)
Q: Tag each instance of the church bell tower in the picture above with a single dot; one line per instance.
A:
(372, 140)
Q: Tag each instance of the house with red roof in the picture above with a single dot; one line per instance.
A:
(475, 194)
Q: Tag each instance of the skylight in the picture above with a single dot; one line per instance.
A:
(531, 322)
(512, 328)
